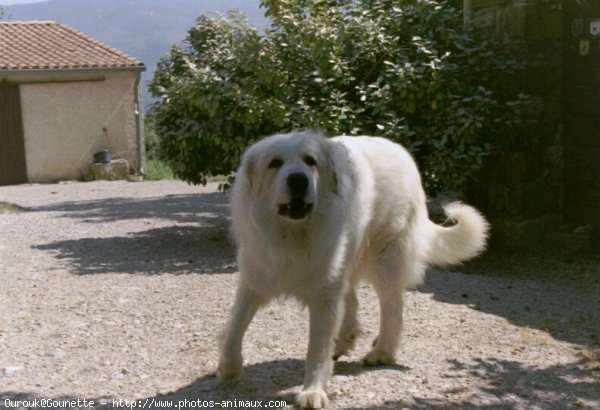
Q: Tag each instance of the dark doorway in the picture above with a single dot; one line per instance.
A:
(13, 169)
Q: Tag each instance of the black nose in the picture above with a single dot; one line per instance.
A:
(298, 184)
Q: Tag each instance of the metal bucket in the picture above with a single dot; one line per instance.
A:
(102, 157)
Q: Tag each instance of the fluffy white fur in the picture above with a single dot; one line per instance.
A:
(367, 219)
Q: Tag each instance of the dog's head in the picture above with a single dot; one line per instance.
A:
(288, 173)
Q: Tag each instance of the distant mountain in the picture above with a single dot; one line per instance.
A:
(145, 29)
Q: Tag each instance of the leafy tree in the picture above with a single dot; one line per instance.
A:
(403, 69)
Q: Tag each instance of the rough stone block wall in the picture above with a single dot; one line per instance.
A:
(582, 116)
(521, 191)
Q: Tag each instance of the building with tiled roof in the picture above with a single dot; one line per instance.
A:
(63, 97)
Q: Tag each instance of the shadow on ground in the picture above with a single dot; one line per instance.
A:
(503, 384)
(202, 246)
(184, 208)
(499, 385)
(170, 250)
(525, 303)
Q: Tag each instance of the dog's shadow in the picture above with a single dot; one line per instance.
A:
(278, 380)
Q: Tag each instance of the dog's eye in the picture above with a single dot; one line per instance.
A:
(310, 161)
(275, 163)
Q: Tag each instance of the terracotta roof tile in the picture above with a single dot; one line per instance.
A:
(46, 45)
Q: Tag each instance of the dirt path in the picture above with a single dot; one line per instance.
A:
(115, 291)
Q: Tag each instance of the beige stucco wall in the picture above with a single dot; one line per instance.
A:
(64, 123)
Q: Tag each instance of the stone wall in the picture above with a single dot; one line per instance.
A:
(582, 115)
(521, 191)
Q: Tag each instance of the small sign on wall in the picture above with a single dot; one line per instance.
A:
(584, 47)
(595, 28)
(588, 33)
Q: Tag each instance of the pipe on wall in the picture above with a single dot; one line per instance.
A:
(139, 123)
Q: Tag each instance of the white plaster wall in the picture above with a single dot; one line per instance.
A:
(63, 125)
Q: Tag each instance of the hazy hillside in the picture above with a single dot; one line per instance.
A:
(145, 29)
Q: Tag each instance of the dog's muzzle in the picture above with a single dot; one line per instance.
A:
(297, 208)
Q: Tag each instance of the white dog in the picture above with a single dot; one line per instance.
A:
(311, 217)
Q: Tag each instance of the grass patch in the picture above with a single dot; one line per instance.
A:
(157, 170)
(8, 208)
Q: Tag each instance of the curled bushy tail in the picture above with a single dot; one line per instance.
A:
(462, 241)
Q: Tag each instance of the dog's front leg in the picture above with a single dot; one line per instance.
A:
(245, 307)
(325, 316)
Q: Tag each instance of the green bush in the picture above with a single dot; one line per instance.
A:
(156, 169)
(406, 70)
(151, 138)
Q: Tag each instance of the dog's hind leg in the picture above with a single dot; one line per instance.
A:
(245, 307)
(349, 330)
(387, 281)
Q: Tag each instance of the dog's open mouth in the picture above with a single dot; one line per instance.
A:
(296, 209)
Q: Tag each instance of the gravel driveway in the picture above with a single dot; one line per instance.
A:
(114, 292)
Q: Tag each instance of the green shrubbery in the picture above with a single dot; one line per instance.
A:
(156, 169)
(406, 70)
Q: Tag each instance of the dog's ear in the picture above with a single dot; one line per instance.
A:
(249, 169)
(330, 149)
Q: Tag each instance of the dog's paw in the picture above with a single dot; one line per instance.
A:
(345, 343)
(378, 358)
(229, 369)
(312, 399)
